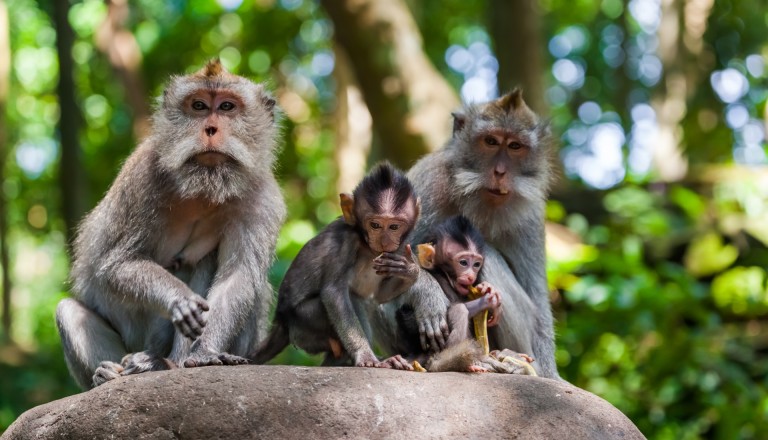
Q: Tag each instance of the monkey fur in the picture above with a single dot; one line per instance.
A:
(339, 277)
(496, 171)
(170, 268)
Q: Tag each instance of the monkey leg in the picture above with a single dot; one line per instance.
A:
(87, 340)
(458, 322)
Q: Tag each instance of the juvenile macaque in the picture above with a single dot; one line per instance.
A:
(341, 275)
(170, 268)
(496, 172)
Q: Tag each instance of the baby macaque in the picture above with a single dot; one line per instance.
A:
(325, 297)
(455, 258)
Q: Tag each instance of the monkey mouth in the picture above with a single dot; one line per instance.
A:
(211, 159)
(462, 289)
(498, 192)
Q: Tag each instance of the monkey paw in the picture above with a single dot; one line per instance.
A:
(206, 359)
(389, 264)
(142, 362)
(187, 315)
(397, 362)
(106, 371)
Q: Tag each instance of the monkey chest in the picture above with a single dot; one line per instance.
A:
(188, 239)
(365, 283)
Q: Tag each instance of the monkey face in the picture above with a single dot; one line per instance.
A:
(213, 112)
(502, 151)
(385, 232)
(214, 133)
(461, 265)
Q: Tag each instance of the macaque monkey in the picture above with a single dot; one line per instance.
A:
(454, 256)
(495, 171)
(340, 276)
(170, 268)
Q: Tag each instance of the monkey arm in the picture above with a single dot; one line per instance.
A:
(430, 307)
(145, 283)
(241, 288)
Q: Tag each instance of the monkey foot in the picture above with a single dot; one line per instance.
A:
(107, 371)
(203, 360)
(141, 362)
(477, 369)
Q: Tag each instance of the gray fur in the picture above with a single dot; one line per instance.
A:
(132, 271)
(335, 284)
(449, 182)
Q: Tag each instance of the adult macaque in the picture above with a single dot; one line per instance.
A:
(341, 275)
(170, 268)
(496, 172)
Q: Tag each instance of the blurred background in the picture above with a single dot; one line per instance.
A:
(657, 227)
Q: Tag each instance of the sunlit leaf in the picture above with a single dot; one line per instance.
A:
(707, 255)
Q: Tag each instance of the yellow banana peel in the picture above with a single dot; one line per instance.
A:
(480, 321)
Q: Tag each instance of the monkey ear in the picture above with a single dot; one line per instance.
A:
(426, 255)
(269, 102)
(347, 203)
(459, 119)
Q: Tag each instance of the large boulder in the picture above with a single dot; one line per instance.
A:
(275, 402)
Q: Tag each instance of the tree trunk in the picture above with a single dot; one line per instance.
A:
(122, 50)
(515, 27)
(353, 126)
(670, 100)
(71, 181)
(5, 77)
(409, 100)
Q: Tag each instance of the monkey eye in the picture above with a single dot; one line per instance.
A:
(227, 106)
(490, 140)
(477, 265)
(463, 263)
(199, 105)
(394, 227)
(375, 225)
(515, 145)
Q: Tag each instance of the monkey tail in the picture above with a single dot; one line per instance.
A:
(456, 358)
(273, 345)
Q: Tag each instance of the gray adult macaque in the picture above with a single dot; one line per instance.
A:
(496, 171)
(170, 268)
(339, 277)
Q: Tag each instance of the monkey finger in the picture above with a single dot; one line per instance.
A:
(193, 325)
(408, 252)
(198, 316)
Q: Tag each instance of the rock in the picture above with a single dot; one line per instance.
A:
(329, 403)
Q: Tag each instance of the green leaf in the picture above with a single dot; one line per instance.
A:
(706, 255)
(741, 290)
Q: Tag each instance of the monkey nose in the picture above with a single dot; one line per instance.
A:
(210, 131)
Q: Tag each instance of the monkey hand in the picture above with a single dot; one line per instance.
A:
(403, 266)
(187, 315)
(396, 362)
(491, 302)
